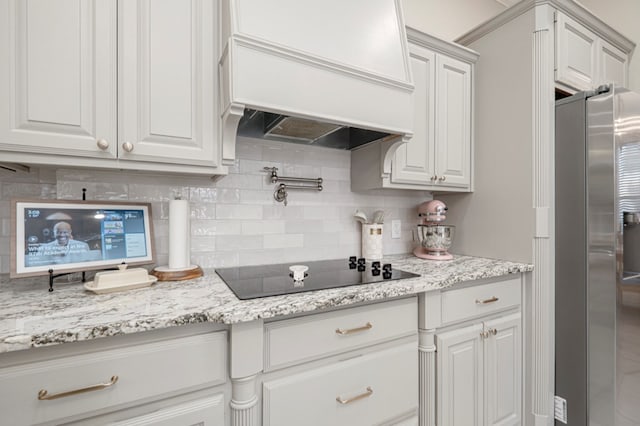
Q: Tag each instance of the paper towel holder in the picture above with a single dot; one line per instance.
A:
(179, 267)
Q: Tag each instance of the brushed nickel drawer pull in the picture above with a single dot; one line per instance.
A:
(365, 327)
(484, 302)
(43, 395)
(363, 395)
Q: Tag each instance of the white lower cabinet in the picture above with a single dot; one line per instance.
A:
(82, 386)
(356, 366)
(366, 390)
(479, 373)
(471, 355)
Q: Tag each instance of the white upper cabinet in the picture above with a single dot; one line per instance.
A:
(439, 155)
(58, 77)
(614, 64)
(167, 90)
(585, 60)
(414, 162)
(576, 53)
(110, 84)
(453, 124)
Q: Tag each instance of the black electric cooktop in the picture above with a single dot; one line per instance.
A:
(251, 282)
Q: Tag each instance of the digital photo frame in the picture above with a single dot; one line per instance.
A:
(61, 236)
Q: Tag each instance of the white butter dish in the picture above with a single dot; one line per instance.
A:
(123, 279)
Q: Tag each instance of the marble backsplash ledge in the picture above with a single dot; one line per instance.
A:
(235, 220)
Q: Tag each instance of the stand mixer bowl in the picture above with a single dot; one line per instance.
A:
(436, 240)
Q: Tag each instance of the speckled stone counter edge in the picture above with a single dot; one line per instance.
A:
(32, 317)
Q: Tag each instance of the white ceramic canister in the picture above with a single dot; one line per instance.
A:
(372, 241)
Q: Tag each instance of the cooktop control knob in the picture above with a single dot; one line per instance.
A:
(352, 262)
(386, 271)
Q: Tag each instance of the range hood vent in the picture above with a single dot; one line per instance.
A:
(285, 74)
(264, 125)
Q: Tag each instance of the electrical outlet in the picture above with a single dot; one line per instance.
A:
(560, 409)
(396, 228)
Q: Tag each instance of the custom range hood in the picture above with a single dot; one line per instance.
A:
(332, 73)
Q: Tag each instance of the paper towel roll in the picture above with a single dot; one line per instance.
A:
(179, 250)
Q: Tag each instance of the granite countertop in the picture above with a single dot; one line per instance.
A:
(30, 316)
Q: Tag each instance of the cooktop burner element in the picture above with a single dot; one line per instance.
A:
(251, 282)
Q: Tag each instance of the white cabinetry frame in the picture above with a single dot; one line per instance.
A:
(439, 155)
(116, 84)
(585, 60)
(472, 374)
(58, 77)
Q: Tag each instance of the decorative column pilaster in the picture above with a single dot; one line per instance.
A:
(246, 354)
(244, 402)
(542, 289)
(427, 382)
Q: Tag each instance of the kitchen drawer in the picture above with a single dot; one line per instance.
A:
(374, 389)
(472, 302)
(143, 371)
(202, 412)
(302, 339)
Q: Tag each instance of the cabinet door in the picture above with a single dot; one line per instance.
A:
(460, 377)
(414, 161)
(576, 54)
(503, 371)
(453, 122)
(58, 77)
(613, 64)
(167, 91)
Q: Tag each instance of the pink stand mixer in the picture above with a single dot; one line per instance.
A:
(435, 238)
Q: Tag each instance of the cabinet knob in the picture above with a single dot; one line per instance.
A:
(127, 146)
(442, 178)
(103, 144)
(434, 178)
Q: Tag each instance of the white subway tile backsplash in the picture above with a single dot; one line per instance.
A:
(259, 197)
(262, 227)
(203, 211)
(205, 227)
(203, 244)
(236, 221)
(249, 149)
(239, 242)
(262, 257)
(304, 226)
(256, 167)
(5, 227)
(238, 211)
(240, 181)
(202, 194)
(228, 195)
(283, 241)
(280, 211)
(334, 173)
(4, 246)
(322, 239)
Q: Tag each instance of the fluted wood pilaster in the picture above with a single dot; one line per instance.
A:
(427, 382)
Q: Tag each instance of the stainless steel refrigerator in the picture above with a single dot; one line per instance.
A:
(597, 260)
